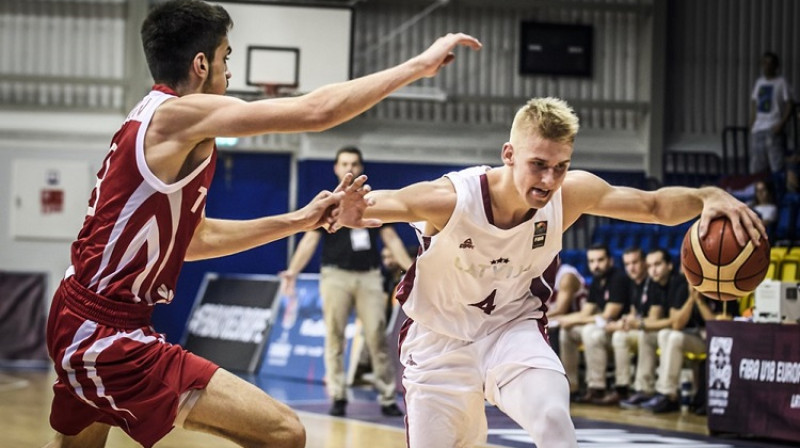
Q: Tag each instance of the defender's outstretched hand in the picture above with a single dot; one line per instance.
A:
(746, 223)
(350, 211)
(318, 212)
(440, 53)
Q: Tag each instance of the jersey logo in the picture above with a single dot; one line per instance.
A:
(166, 293)
(410, 361)
(539, 234)
(500, 260)
(467, 244)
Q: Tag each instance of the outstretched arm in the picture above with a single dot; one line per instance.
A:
(200, 117)
(432, 202)
(584, 192)
(219, 237)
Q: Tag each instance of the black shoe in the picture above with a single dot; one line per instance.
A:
(661, 404)
(701, 410)
(609, 399)
(391, 410)
(339, 408)
(591, 396)
(635, 401)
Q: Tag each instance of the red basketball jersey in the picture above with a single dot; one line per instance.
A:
(137, 228)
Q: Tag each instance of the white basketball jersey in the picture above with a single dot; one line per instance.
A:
(581, 295)
(473, 277)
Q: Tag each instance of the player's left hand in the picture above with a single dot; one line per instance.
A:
(746, 223)
(350, 210)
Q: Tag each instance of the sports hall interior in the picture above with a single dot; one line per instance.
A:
(662, 89)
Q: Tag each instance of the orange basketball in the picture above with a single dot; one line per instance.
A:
(717, 266)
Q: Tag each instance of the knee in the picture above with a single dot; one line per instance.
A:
(663, 336)
(619, 340)
(594, 337)
(675, 339)
(293, 434)
(553, 414)
(289, 432)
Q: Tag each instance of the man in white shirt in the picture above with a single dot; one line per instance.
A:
(772, 106)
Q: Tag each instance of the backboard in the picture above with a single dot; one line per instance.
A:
(302, 46)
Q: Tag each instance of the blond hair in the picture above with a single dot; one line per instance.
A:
(550, 118)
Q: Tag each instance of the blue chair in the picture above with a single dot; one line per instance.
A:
(787, 223)
(574, 257)
(665, 239)
(601, 234)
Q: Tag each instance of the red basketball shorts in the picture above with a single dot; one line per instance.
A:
(113, 367)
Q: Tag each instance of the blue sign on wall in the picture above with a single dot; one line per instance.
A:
(296, 347)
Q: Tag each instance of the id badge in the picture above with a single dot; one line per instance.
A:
(359, 239)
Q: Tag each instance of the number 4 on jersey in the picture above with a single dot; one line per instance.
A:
(487, 305)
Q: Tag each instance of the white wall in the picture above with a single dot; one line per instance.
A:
(46, 136)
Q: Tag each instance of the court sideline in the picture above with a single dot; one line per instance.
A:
(25, 399)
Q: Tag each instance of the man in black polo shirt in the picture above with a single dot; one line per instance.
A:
(350, 277)
(649, 317)
(688, 312)
(608, 300)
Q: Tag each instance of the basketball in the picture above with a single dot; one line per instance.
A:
(717, 266)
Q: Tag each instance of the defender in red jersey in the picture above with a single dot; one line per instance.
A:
(146, 215)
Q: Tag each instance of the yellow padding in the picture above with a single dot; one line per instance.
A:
(778, 252)
(689, 356)
(772, 270)
(790, 268)
(694, 356)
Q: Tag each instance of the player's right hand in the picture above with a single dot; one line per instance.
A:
(318, 212)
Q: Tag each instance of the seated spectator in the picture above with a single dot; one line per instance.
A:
(764, 203)
(642, 328)
(687, 334)
(608, 300)
(569, 295)
(624, 338)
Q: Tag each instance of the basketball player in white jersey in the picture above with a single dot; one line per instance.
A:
(474, 296)
(569, 291)
(146, 216)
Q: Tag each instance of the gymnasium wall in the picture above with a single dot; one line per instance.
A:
(70, 69)
(713, 60)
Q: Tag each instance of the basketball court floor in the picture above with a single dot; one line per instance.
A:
(25, 404)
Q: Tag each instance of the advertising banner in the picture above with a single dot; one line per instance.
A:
(231, 318)
(296, 345)
(754, 379)
(22, 318)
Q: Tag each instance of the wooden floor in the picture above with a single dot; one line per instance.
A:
(25, 406)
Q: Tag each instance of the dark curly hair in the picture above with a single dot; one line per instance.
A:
(175, 31)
